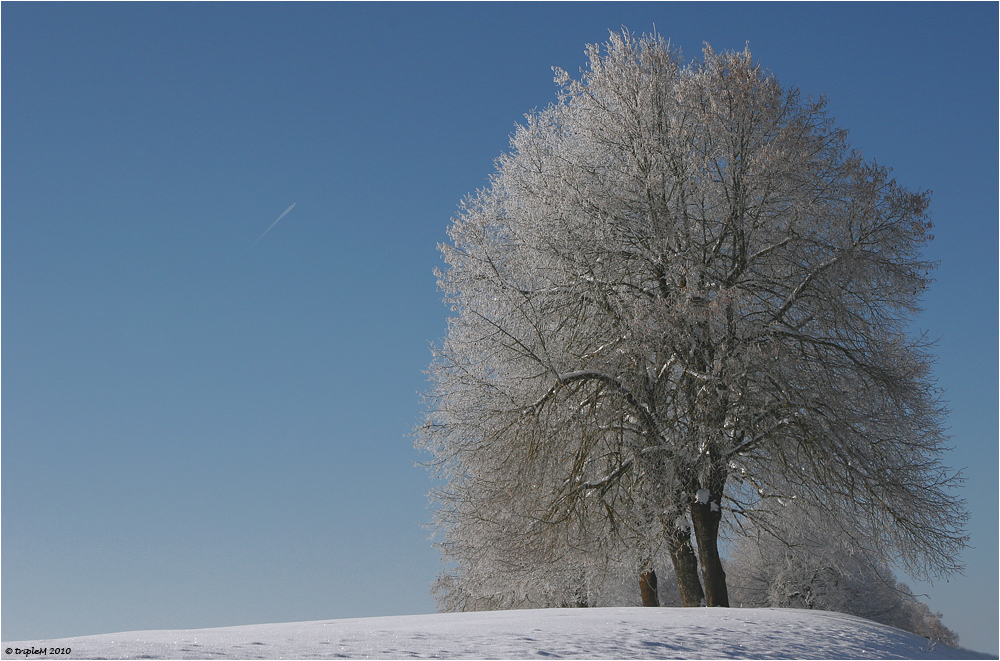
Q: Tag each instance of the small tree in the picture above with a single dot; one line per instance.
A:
(680, 294)
(793, 559)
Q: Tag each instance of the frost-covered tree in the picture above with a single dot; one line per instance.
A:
(510, 558)
(795, 559)
(680, 294)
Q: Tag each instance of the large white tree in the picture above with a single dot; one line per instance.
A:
(680, 294)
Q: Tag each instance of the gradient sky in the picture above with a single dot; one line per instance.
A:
(202, 431)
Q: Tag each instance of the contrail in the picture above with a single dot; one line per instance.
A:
(272, 225)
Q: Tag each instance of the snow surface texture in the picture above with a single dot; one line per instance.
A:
(586, 633)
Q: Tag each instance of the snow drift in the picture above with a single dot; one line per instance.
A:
(586, 633)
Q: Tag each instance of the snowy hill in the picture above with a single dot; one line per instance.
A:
(587, 633)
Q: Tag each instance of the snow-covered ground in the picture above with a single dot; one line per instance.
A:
(587, 633)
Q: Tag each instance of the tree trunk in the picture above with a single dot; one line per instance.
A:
(706, 517)
(685, 568)
(647, 586)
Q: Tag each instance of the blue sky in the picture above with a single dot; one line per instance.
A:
(199, 431)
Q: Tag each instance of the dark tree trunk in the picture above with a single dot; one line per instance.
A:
(686, 568)
(706, 517)
(647, 586)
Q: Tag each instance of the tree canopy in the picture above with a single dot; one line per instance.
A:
(682, 294)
